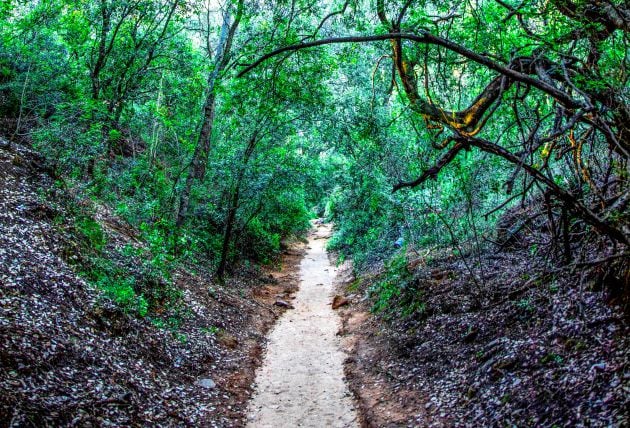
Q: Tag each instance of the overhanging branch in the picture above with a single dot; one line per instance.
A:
(435, 169)
(428, 38)
(570, 201)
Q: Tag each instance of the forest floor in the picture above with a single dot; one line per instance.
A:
(70, 357)
(517, 345)
(510, 340)
(301, 382)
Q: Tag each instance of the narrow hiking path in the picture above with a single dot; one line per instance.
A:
(301, 382)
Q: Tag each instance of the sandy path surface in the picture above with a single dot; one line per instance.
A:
(301, 382)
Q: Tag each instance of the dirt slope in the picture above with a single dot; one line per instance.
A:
(523, 347)
(69, 357)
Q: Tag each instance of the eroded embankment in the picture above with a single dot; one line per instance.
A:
(70, 357)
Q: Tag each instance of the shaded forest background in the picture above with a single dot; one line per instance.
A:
(137, 104)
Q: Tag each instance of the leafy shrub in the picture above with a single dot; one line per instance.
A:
(283, 214)
(116, 284)
(92, 232)
(396, 293)
(136, 278)
(259, 242)
(123, 293)
(73, 139)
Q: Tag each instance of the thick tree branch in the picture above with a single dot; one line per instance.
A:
(567, 198)
(382, 16)
(428, 38)
(434, 170)
(570, 200)
(403, 11)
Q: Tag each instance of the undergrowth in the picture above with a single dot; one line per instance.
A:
(136, 277)
(395, 294)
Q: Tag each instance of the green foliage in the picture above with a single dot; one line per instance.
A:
(368, 221)
(92, 232)
(260, 242)
(287, 213)
(136, 278)
(212, 330)
(113, 93)
(552, 358)
(396, 293)
(117, 284)
(73, 140)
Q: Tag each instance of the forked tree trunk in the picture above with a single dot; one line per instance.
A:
(199, 162)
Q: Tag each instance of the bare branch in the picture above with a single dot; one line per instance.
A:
(327, 17)
(434, 170)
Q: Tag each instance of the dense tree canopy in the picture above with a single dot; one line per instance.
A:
(566, 88)
(221, 127)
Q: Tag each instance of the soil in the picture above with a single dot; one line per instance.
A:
(526, 346)
(380, 403)
(281, 282)
(301, 381)
(70, 357)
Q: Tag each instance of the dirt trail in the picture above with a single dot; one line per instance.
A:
(301, 382)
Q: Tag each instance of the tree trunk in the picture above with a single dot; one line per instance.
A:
(199, 162)
(200, 157)
(229, 226)
(231, 217)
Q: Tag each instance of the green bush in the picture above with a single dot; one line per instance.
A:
(283, 214)
(92, 232)
(259, 242)
(73, 139)
(394, 280)
(122, 292)
(136, 278)
(396, 293)
(116, 283)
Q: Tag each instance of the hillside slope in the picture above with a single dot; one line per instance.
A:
(69, 356)
(510, 343)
